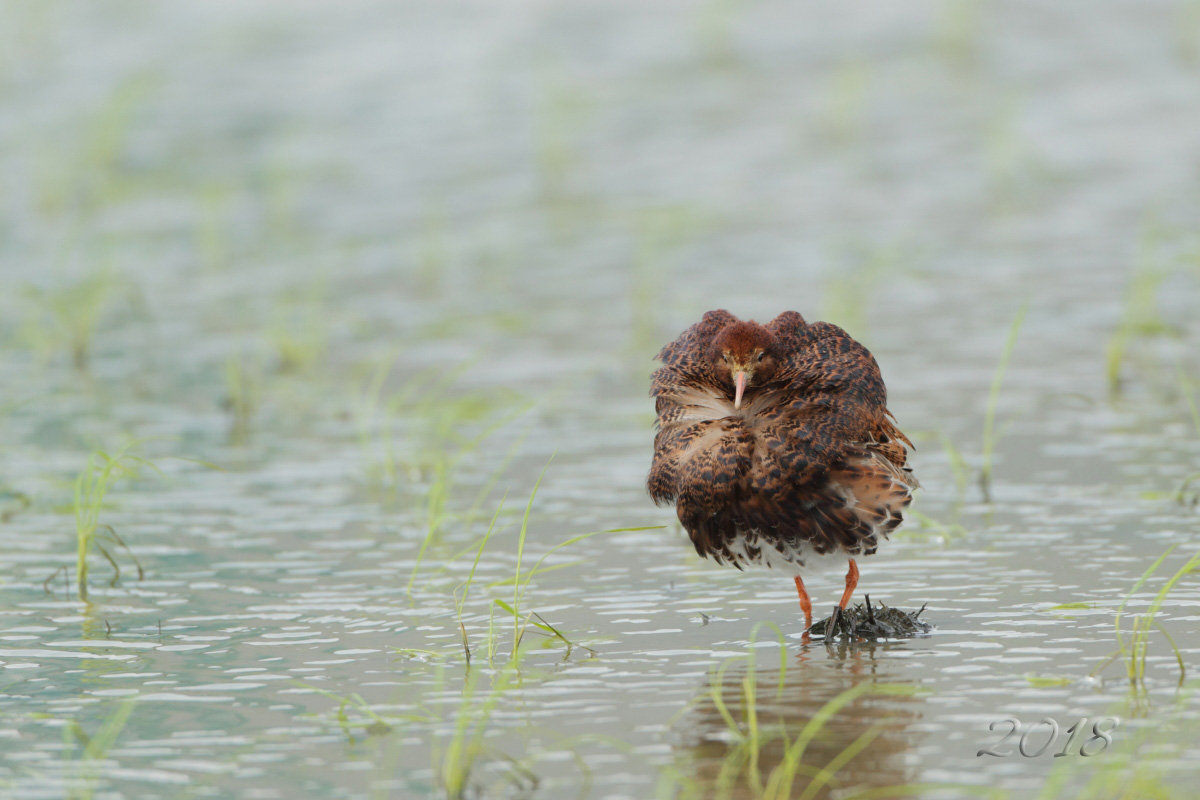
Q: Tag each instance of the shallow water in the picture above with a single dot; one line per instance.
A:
(514, 207)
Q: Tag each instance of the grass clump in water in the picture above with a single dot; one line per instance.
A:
(461, 599)
(298, 332)
(66, 317)
(522, 622)
(563, 110)
(715, 21)
(660, 233)
(456, 761)
(958, 465)
(92, 485)
(442, 433)
(1012, 166)
(446, 430)
(1133, 646)
(841, 118)
(464, 761)
(244, 390)
(243, 393)
(521, 583)
(924, 528)
(1185, 495)
(461, 755)
(1140, 318)
(12, 501)
(958, 32)
(91, 175)
(367, 719)
(848, 290)
(991, 437)
(437, 500)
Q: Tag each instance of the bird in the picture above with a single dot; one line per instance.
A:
(776, 447)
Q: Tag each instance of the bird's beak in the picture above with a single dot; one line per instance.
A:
(739, 380)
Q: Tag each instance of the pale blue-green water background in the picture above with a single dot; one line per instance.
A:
(514, 205)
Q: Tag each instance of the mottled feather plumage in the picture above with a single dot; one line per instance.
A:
(810, 464)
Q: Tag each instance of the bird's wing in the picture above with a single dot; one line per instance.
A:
(821, 358)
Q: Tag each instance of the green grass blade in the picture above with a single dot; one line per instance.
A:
(517, 592)
(990, 438)
(1140, 581)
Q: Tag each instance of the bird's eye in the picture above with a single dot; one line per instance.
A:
(760, 357)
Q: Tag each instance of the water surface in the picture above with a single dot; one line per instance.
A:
(509, 209)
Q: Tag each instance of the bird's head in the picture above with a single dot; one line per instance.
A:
(743, 353)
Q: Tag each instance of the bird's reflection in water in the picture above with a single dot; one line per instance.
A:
(834, 724)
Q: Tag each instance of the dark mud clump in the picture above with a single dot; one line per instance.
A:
(866, 621)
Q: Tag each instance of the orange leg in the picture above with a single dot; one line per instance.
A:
(851, 582)
(805, 603)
